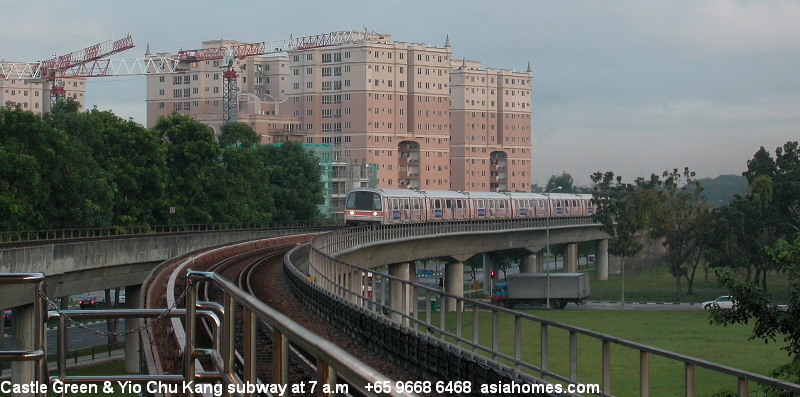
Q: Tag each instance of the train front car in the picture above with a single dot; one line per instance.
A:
(363, 206)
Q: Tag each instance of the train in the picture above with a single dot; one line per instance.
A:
(395, 206)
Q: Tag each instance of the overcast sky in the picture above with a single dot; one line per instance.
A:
(633, 87)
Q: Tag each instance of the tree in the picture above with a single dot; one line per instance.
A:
(770, 320)
(242, 191)
(564, 181)
(623, 210)
(770, 211)
(46, 179)
(681, 220)
(133, 158)
(192, 159)
(238, 134)
(295, 174)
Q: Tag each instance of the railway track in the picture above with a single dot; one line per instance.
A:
(260, 272)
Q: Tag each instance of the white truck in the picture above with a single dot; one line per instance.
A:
(532, 288)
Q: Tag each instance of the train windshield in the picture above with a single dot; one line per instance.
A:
(365, 201)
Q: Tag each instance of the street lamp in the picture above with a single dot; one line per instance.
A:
(547, 228)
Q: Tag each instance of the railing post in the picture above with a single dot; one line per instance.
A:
(689, 378)
(644, 374)
(280, 358)
(495, 333)
(543, 349)
(606, 367)
(228, 336)
(743, 387)
(517, 341)
(573, 356)
(249, 371)
(191, 327)
(475, 334)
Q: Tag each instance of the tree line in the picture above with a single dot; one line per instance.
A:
(755, 235)
(88, 169)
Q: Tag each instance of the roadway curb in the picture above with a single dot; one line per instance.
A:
(651, 303)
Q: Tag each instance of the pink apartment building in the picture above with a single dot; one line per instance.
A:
(425, 120)
(34, 95)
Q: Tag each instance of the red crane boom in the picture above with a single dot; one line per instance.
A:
(57, 66)
(272, 47)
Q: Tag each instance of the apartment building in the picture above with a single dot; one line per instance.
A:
(34, 95)
(406, 111)
(491, 128)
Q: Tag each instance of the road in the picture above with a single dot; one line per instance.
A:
(77, 338)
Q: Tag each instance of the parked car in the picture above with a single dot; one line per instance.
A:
(723, 302)
(90, 303)
(6, 314)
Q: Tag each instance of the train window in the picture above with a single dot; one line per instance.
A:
(574, 203)
(416, 204)
(364, 201)
(405, 204)
(394, 204)
(459, 204)
(491, 203)
(501, 203)
(541, 203)
(437, 204)
(449, 204)
(480, 204)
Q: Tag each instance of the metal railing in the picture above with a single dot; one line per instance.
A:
(37, 352)
(127, 231)
(332, 361)
(350, 283)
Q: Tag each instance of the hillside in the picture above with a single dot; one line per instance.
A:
(720, 190)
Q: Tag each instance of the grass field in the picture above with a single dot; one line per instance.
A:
(686, 332)
(655, 284)
(115, 367)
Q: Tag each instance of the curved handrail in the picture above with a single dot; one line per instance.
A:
(335, 276)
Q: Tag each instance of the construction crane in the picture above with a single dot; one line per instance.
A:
(240, 51)
(87, 62)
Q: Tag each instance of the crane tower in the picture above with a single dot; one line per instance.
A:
(240, 51)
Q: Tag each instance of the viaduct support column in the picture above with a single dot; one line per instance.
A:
(540, 258)
(601, 259)
(453, 284)
(399, 292)
(528, 264)
(571, 257)
(412, 295)
(132, 300)
(22, 332)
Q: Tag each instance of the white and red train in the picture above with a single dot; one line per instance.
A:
(392, 206)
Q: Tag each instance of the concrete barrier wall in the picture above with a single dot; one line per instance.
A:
(75, 267)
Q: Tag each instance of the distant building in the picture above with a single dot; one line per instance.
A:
(408, 110)
(34, 94)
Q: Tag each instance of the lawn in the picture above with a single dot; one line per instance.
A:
(686, 332)
(655, 284)
(114, 367)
